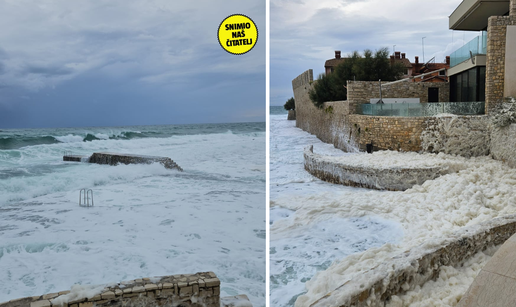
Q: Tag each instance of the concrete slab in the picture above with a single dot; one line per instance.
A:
(495, 285)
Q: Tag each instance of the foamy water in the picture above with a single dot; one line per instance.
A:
(298, 250)
(147, 220)
(482, 189)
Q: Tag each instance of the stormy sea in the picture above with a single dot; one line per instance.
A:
(323, 235)
(146, 220)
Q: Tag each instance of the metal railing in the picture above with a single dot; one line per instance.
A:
(84, 198)
(474, 47)
(422, 109)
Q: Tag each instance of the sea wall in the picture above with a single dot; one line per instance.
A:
(418, 265)
(503, 143)
(330, 123)
(191, 290)
(393, 179)
(467, 136)
(337, 122)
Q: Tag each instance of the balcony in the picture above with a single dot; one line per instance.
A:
(472, 15)
(476, 46)
(422, 109)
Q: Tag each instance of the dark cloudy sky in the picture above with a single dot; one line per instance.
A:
(126, 62)
(306, 33)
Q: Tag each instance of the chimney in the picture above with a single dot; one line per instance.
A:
(337, 54)
(403, 55)
(397, 55)
(448, 60)
(417, 60)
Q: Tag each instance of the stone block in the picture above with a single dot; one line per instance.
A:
(168, 285)
(186, 291)
(50, 296)
(108, 295)
(212, 282)
(41, 303)
(151, 287)
(138, 289)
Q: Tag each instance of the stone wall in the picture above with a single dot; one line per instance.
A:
(386, 132)
(337, 122)
(330, 123)
(419, 265)
(503, 142)
(192, 290)
(467, 136)
(361, 91)
(495, 59)
(393, 179)
(291, 115)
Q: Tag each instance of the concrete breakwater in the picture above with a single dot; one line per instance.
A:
(116, 158)
(190, 290)
(415, 267)
(392, 178)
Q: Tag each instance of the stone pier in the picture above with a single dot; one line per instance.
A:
(117, 158)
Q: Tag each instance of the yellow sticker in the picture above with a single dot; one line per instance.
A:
(237, 34)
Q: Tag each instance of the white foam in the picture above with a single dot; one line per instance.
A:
(69, 138)
(147, 220)
(482, 190)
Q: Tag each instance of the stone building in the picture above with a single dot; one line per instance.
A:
(411, 69)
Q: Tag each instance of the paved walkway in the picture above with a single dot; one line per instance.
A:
(495, 285)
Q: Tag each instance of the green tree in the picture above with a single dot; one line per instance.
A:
(290, 104)
(367, 67)
(323, 90)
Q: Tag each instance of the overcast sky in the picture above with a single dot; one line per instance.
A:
(126, 62)
(306, 33)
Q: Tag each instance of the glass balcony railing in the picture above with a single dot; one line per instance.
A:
(476, 46)
(423, 109)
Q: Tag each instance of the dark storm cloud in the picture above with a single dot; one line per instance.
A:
(58, 55)
(47, 71)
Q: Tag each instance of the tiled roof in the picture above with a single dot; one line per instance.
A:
(334, 62)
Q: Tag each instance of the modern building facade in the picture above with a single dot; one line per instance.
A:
(480, 70)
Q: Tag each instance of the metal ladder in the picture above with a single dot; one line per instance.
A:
(84, 198)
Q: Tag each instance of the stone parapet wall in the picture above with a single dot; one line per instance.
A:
(392, 179)
(191, 290)
(495, 59)
(418, 265)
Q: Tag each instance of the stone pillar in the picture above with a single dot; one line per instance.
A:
(512, 8)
